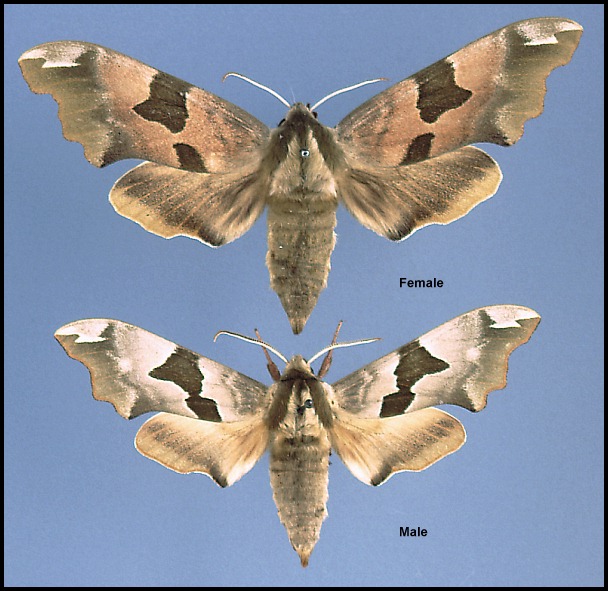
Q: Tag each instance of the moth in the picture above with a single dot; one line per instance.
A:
(399, 162)
(379, 419)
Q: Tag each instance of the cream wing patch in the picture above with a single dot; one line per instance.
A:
(119, 357)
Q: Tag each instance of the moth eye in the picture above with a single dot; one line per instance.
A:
(305, 153)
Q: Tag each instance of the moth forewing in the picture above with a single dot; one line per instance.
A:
(118, 107)
(213, 419)
(409, 160)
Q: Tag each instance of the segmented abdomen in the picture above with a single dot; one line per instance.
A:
(300, 242)
(299, 477)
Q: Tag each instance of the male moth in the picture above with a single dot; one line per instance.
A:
(398, 162)
(379, 419)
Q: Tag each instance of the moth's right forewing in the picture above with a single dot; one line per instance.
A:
(484, 92)
(408, 154)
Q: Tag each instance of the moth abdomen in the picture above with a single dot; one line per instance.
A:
(300, 242)
(299, 473)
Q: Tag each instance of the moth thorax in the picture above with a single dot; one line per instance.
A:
(302, 398)
(299, 422)
(303, 173)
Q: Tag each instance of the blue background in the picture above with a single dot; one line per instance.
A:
(521, 503)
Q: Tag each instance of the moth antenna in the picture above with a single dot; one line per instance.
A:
(272, 92)
(337, 92)
(327, 361)
(273, 370)
(339, 346)
(236, 335)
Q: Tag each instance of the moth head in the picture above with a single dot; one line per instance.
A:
(297, 368)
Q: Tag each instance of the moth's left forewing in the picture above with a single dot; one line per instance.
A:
(204, 152)
(407, 150)
(384, 420)
(484, 92)
(459, 362)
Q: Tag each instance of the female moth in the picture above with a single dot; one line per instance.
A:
(399, 162)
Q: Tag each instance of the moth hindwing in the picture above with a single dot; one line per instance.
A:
(380, 419)
(399, 162)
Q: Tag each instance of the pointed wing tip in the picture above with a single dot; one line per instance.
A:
(574, 26)
(566, 24)
(507, 316)
(56, 54)
(36, 52)
(555, 24)
(87, 330)
(503, 317)
(543, 31)
(61, 332)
